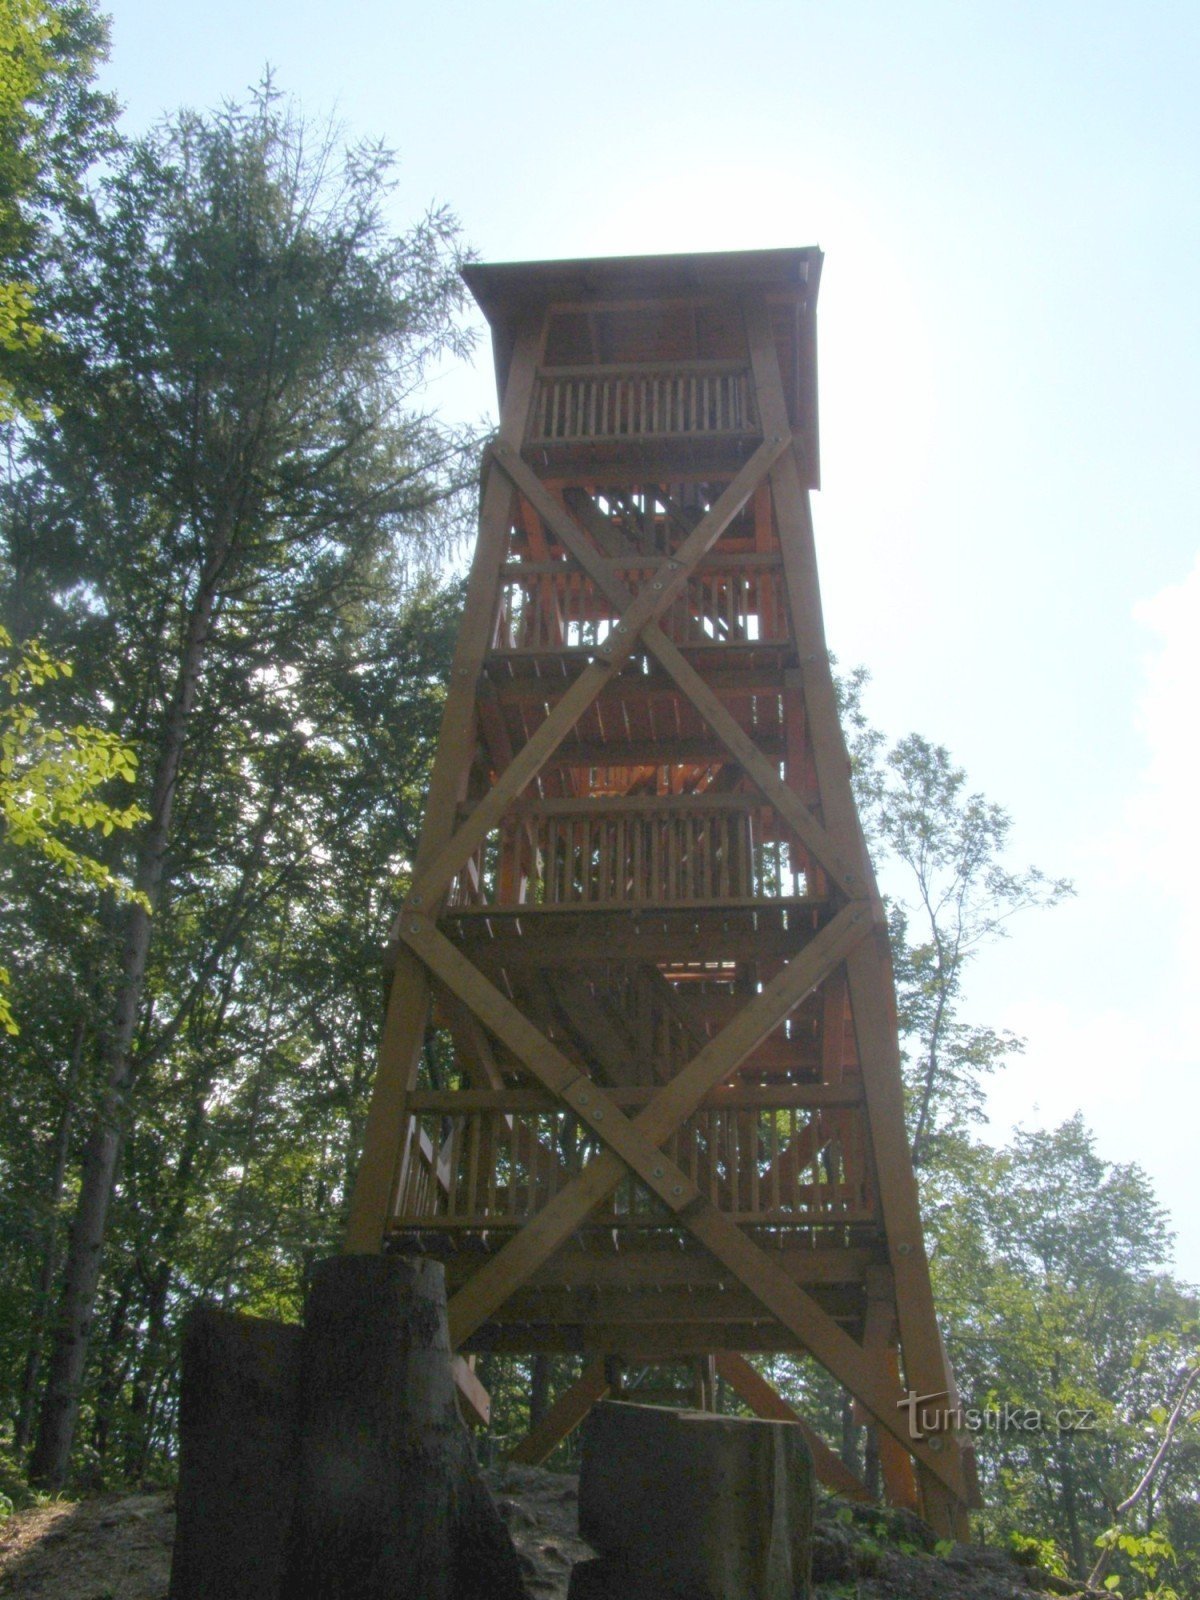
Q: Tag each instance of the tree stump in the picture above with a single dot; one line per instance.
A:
(238, 1440)
(389, 1502)
(683, 1505)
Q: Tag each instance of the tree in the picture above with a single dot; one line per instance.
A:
(955, 895)
(223, 490)
(53, 124)
(1048, 1267)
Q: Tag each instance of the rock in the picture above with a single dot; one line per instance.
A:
(691, 1506)
(390, 1504)
(238, 1441)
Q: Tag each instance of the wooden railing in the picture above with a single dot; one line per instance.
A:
(731, 600)
(685, 850)
(577, 404)
(494, 1159)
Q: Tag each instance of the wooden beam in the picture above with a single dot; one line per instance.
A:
(653, 1267)
(563, 1417)
(407, 1014)
(895, 1463)
(384, 1140)
(474, 1401)
(729, 1097)
(868, 969)
(766, 1401)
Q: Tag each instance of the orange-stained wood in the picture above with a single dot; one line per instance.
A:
(642, 905)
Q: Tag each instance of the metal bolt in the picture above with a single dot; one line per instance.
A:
(935, 1443)
(678, 1189)
(658, 1172)
(904, 1249)
(598, 1116)
(414, 899)
(583, 1099)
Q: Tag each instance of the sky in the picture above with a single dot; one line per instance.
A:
(1008, 198)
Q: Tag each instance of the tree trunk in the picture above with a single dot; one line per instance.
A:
(850, 1432)
(23, 1428)
(539, 1389)
(1070, 1505)
(73, 1325)
(872, 1476)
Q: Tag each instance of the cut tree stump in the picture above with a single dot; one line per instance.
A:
(683, 1505)
(389, 1502)
(238, 1442)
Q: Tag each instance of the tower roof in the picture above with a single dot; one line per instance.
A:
(508, 290)
(505, 288)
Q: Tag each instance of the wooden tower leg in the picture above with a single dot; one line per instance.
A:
(564, 1416)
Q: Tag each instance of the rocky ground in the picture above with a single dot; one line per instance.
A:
(118, 1547)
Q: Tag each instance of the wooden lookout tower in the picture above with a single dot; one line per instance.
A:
(643, 918)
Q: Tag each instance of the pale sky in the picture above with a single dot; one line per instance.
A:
(1009, 203)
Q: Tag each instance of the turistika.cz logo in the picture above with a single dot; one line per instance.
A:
(931, 1414)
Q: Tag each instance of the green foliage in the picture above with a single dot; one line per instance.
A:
(1033, 1552)
(52, 126)
(942, 851)
(15, 1493)
(1147, 1559)
(51, 781)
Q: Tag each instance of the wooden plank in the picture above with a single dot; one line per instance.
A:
(743, 1097)
(634, 805)
(563, 1417)
(651, 1266)
(384, 1137)
(719, 1304)
(474, 1401)
(645, 1343)
(895, 1463)
(766, 1401)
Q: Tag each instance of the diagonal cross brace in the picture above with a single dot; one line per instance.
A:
(611, 657)
(726, 727)
(634, 1145)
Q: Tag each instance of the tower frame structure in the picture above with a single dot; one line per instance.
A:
(639, 1080)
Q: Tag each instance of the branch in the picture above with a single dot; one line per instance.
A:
(1127, 1505)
